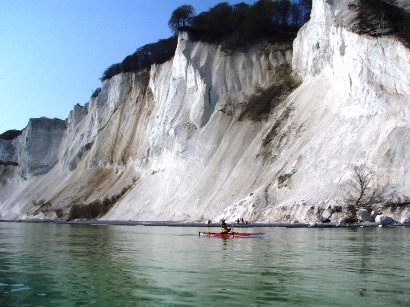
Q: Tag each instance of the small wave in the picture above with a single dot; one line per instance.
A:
(20, 289)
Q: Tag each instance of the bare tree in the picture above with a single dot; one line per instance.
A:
(361, 178)
(357, 189)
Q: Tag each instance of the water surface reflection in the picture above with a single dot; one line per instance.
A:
(50, 264)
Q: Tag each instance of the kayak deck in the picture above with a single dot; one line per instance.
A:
(232, 234)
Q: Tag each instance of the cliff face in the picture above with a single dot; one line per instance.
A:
(210, 135)
(35, 151)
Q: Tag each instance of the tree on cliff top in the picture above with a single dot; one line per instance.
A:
(10, 135)
(181, 17)
(234, 26)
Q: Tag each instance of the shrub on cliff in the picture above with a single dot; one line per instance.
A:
(8, 163)
(97, 208)
(155, 53)
(96, 92)
(92, 210)
(10, 135)
(380, 17)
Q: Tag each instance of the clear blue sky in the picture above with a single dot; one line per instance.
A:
(53, 52)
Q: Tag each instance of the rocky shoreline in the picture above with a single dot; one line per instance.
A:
(212, 225)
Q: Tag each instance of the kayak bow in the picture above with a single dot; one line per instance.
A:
(232, 234)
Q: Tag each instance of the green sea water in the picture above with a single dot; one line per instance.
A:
(89, 265)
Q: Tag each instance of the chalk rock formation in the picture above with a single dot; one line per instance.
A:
(40, 142)
(211, 135)
(384, 220)
(363, 215)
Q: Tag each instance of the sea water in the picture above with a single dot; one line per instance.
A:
(90, 265)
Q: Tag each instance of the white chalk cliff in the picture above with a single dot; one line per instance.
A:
(210, 135)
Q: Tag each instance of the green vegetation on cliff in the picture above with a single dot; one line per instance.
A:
(10, 135)
(234, 26)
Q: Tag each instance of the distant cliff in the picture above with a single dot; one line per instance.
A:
(270, 134)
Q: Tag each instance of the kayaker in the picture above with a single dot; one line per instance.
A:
(224, 228)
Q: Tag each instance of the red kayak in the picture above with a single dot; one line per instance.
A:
(232, 234)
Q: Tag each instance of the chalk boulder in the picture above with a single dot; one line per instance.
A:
(325, 216)
(384, 220)
(405, 220)
(363, 215)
